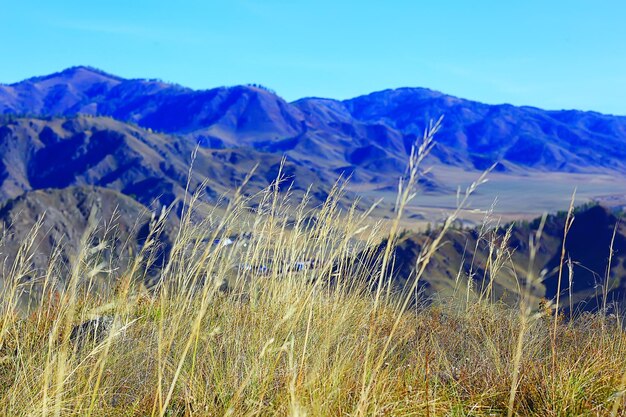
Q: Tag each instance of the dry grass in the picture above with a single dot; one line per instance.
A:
(335, 339)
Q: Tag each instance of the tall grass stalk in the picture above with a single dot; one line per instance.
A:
(569, 220)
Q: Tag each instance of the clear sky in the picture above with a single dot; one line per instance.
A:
(550, 53)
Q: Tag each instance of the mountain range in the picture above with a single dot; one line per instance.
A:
(368, 135)
(83, 137)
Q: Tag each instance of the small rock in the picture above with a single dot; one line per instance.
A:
(222, 286)
(93, 331)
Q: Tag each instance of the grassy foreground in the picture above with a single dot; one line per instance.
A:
(330, 338)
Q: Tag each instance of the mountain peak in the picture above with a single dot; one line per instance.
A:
(406, 94)
(80, 72)
(88, 69)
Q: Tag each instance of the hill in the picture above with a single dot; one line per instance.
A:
(475, 257)
(55, 228)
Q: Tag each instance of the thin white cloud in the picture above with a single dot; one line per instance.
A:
(129, 31)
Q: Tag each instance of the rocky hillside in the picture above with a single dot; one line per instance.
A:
(466, 257)
(54, 228)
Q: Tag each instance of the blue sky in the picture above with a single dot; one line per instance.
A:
(551, 54)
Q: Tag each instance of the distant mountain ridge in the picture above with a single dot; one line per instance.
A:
(368, 136)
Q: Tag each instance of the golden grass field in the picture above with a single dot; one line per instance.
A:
(334, 339)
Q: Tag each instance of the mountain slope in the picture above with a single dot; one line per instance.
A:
(62, 152)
